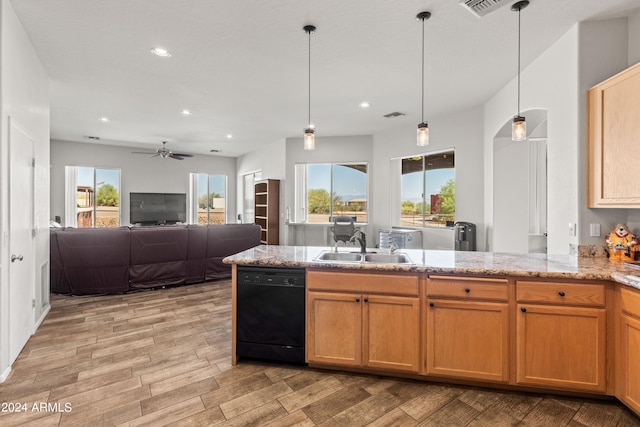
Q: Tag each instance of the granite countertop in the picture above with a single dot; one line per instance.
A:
(458, 262)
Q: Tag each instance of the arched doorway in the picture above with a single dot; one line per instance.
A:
(520, 187)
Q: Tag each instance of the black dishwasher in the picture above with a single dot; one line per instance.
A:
(270, 305)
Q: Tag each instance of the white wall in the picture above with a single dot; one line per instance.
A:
(549, 82)
(510, 190)
(461, 131)
(328, 149)
(138, 173)
(271, 161)
(633, 37)
(24, 96)
(603, 52)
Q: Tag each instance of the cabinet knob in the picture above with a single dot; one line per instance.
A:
(431, 304)
(357, 299)
(561, 293)
(366, 300)
(524, 310)
(467, 290)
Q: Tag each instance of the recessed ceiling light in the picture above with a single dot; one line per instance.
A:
(365, 104)
(229, 136)
(158, 51)
(104, 119)
(186, 112)
(214, 151)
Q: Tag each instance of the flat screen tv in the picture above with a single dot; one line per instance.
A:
(157, 208)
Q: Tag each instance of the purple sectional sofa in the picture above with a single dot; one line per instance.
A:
(115, 260)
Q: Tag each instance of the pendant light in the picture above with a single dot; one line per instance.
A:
(309, 132)
(423, 127)
(519, 126)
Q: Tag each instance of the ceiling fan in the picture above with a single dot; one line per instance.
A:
(164, 153)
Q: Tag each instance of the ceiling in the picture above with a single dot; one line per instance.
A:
(241, 65)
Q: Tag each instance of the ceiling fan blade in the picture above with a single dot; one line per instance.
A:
(143, 152)
(175, 156)
(182, 154)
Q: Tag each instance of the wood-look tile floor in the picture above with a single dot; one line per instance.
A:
(163, 358)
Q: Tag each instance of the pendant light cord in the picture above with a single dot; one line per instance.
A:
(309, 122)
(422, 70)
(519, 61)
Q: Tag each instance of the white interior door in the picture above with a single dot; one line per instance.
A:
(21, 247)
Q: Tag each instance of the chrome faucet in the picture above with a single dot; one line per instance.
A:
(393, 248)
(360, 236)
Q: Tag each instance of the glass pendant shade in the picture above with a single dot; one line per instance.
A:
(423, 134)
(519, 129)
(309, 139)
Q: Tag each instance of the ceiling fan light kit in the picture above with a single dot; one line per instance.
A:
(164, 153)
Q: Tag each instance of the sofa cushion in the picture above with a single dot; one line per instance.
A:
(94, 260)
(196, 253)
(59, 281)
(224, 240)
(158, 256)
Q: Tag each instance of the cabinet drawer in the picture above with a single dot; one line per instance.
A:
(395, 284)
(630, 301)
(467, 287)
(561, 293)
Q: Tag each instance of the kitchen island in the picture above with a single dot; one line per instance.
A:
(523, 321)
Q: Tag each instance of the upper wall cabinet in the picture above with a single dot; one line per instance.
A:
(613, 141)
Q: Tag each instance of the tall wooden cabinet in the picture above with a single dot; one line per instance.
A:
(267, 210)
(628, 359)
(613, 132)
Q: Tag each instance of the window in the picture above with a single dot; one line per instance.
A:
(325, 190)
(208, 199)
(428, 189)
(92, 197)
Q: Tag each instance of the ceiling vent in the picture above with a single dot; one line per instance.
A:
(394, 114)
(481, 8)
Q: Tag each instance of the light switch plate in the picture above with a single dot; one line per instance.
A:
(594, 230)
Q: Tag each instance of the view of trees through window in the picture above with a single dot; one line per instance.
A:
(98, 197)
(211, 198)
(428, 190)
(336, 189)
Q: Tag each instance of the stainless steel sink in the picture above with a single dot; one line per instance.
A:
(371, 257)
(339, 256)
(388, 258)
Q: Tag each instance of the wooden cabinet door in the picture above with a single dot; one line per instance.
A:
(334, 328)
(561, 347)
(468, 339)
(613, 131)
(391, 333)
(630, 361)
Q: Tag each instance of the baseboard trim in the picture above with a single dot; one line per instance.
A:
(41, 319)
(5, 374)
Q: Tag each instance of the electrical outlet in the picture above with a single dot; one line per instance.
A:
(594, 230)
(572, 229)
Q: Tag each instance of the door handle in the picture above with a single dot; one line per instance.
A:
(14, 258)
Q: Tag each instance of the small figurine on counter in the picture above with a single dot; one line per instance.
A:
(621, 243)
